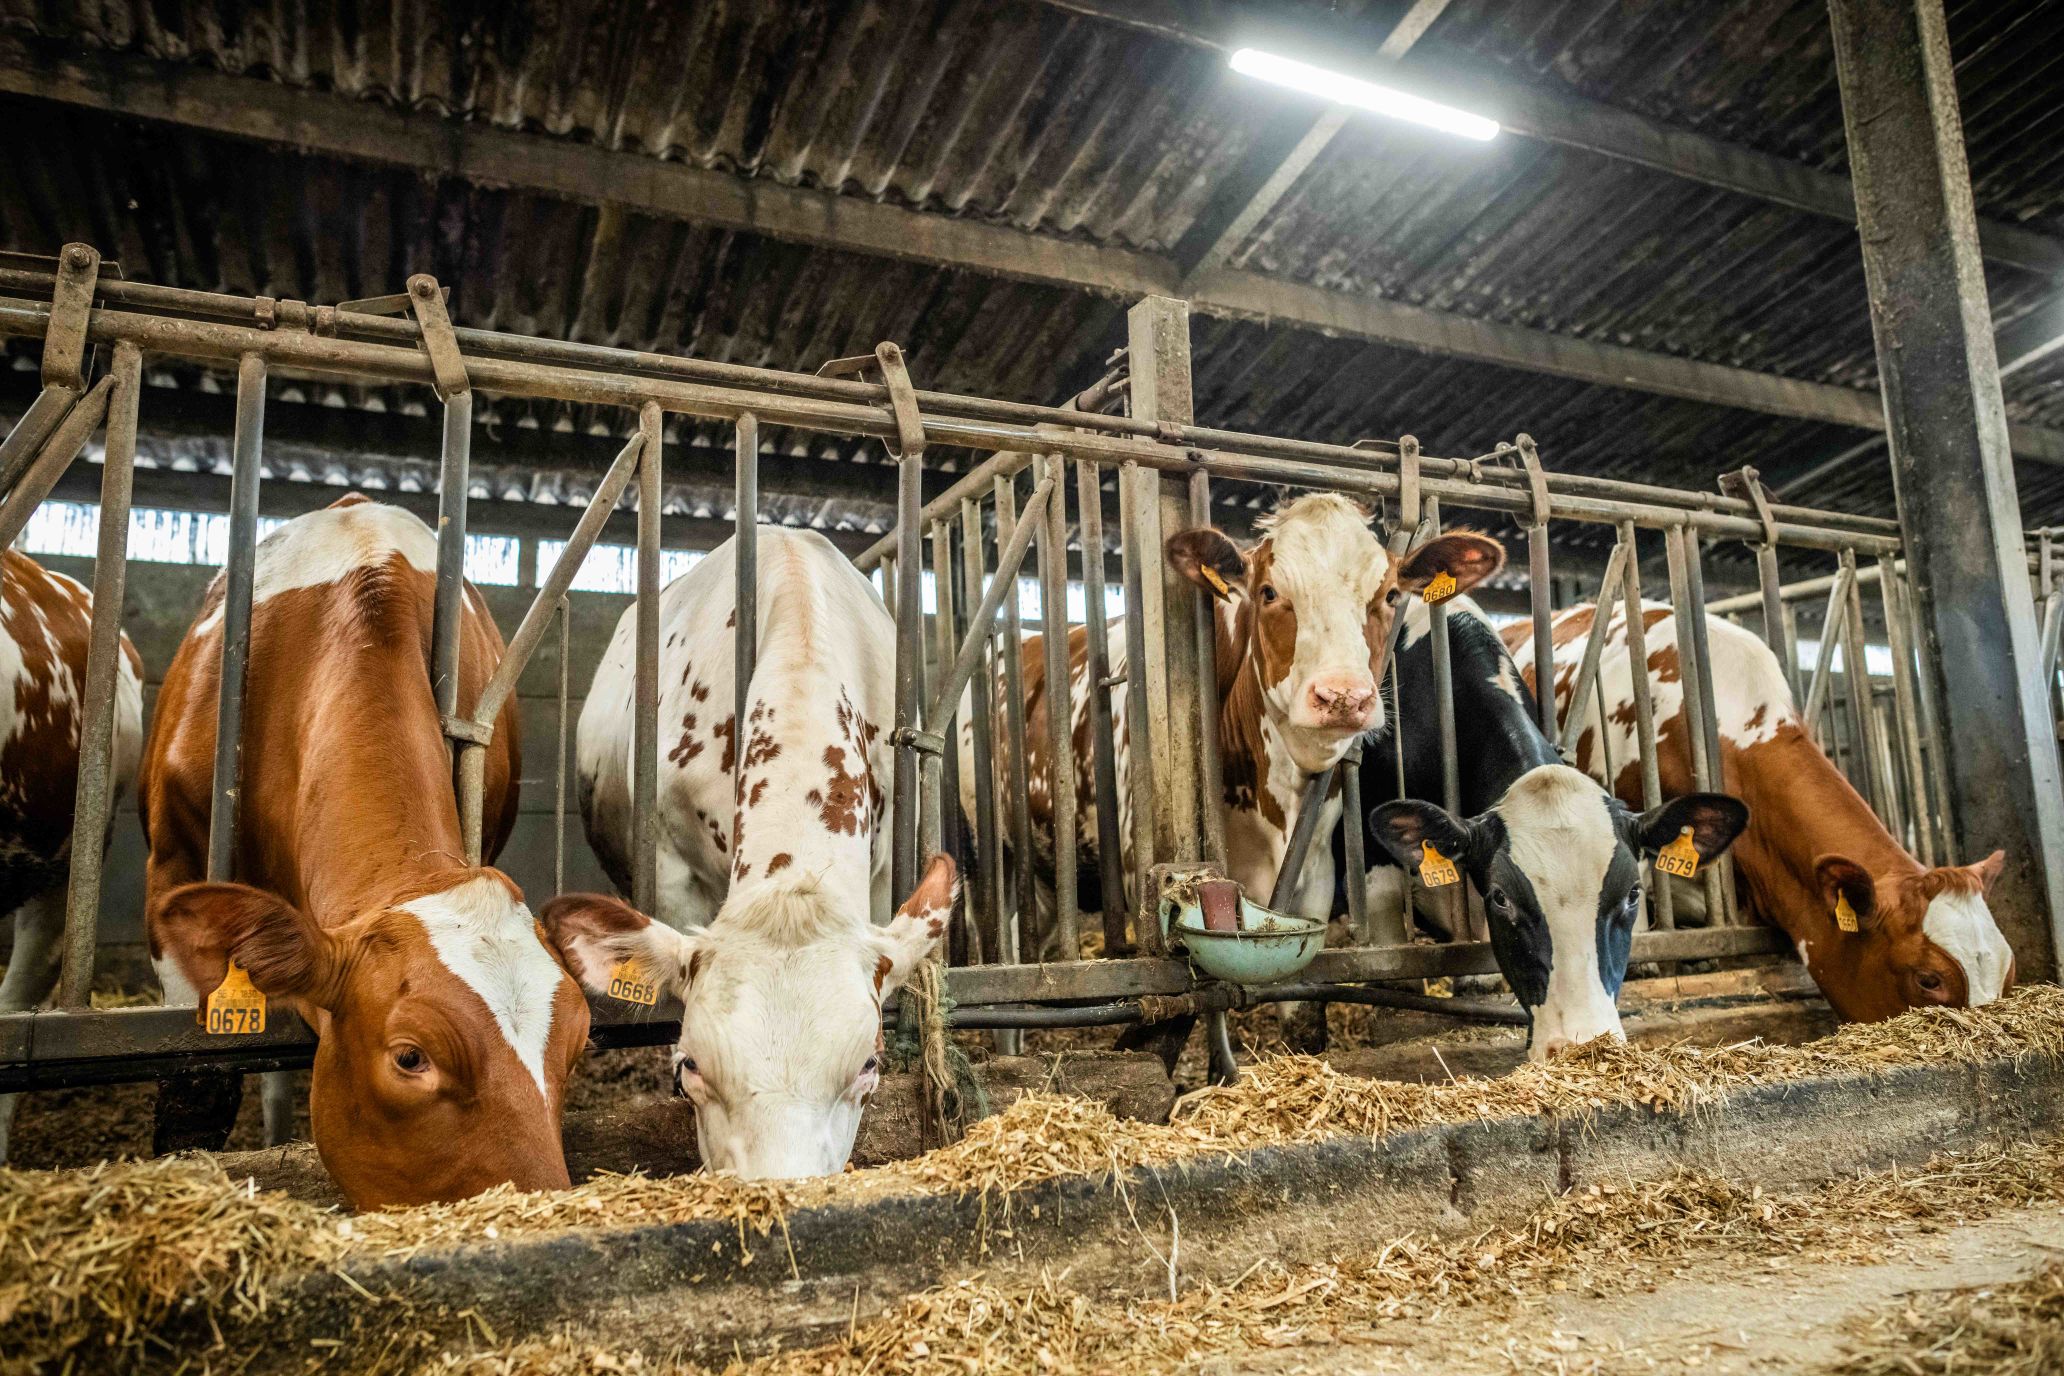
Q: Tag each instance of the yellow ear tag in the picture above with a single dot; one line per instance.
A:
(1680, 857)
(1845, 916)
(1218, 584)
(1440, 589)
(1436, 871)
(627, 981)
(237, 1007)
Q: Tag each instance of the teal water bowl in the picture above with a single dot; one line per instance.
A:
(1267, 948)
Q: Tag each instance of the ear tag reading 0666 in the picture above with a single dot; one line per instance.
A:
(1440, 589)
(629, 982)
(1436, 871)
(1680, 857)
(237, 1007)
(1845, 916)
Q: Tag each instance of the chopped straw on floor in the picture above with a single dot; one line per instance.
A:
(2011, 1329)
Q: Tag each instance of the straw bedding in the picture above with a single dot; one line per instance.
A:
(95, 1259)
(2015, 1329)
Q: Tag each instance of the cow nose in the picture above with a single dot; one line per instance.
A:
(1342, 700)
(1554, 1047)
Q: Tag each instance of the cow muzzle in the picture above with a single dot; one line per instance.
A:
(1342, 701)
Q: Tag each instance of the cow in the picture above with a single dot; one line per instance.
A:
(45, 623)
(446, 1023)
(1924, 937)
(1303, 623)
(774, 853)
(1557, 860)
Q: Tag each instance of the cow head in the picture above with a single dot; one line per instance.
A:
(447, 1029)
(1558, 862)
(1313, 603)
(780, 1011)
(1921, 941)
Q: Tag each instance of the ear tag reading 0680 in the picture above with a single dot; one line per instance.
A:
(237, 1007)
(1436, 871)
(1680, 857)
(1440, 589)
(628, 981)
(1845, 916)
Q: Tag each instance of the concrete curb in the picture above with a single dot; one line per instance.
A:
(696, 1285)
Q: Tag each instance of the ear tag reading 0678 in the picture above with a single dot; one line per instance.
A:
(1680, 857)
(237, 1007)
(1436, 871)
(629, 982)
(1440, 589)
(1845, 916)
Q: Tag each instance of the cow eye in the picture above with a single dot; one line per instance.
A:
(1500, 900)
(410, 1060)
(873, 1064)
(1268, 592)
(1390, 598)
(1928, 980)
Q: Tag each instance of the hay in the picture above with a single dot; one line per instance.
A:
(2013, 1329)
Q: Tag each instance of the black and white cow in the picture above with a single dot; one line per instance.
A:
(1557, 860)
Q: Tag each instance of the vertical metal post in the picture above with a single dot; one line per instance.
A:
(1824, 657)
(1541, 604)
(103, 654)
(645, 690)
(1697, 701)
(745, 592)
(1709, 703)
(1644, 714)
(1951, 465)
(1456, 896)
(1089, 504)
(248, 457)
(1906, 708)
(1856, 672)
(1052, 540)
(1352, 830)
(1140, 557)
(940, 777)
(452, 479)
(909, 607)
(1773, 616)
(981, 718)
(561, 770)
(1210, 765)
(1017, 793)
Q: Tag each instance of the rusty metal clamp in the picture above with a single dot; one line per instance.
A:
(1746, 482)
(887, 360)
(1408, 516)
(447, 366)
(71, 300)
(1537, 479)
(930, 742)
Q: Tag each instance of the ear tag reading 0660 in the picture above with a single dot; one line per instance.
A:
(1845, 916)
(629, 982)
(1440, 589)
(1680, 857)
(1436, 871)
(237, 1007)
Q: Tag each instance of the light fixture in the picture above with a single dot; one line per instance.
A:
(1363, 95)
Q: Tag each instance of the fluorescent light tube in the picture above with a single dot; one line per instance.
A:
(1363, 95)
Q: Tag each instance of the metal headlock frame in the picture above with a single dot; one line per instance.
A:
(1162, 464)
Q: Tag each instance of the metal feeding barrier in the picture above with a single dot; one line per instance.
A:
(1009, 504)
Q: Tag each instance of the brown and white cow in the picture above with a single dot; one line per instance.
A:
(447, 1022)
(775, 928)
(1925, 936)
(45, 623)
(1304, 619)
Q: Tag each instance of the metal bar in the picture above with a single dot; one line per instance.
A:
(1017, 793)
(1540, 602)
(1352, 824)
(560, 771)
(1009, 561)
(95, 794)
(942, 796)
(1774, 636)
(745, 590)
(49, 463)
(20, 446)
(1089, 504)
(1816, 694)
(909, 608)
(1906, 711)
(1644, 713)
(1594, 651)
(1210, 764)
(1455, 898)
(1053, 606)
(452, 483)
(645, 691)
(1856, 678)
(1310, 804)
(1720, 875)
(1696, 700)
(246, 470)
(1140, 776)
(981, 721)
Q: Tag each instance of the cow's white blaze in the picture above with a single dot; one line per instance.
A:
(1962, 925)
(323, 546)
(1559, 830)
(1331, 567)
(488, 939)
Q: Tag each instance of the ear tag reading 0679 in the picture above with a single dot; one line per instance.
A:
(1440, 589)
(629, 982)
(1680, 857)
(1436, 871)
(1845, 916)
(237, 1007)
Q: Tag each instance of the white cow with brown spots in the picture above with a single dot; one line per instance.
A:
(45, 623)
(775, 928)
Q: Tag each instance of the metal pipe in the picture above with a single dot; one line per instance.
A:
(645, 692)
(1644, 713)
(1352, 830)
(1137, 565)
(1017, 792)
(1210, 764)
(1009, 561)
(1096, 668)
(245, 472)
(1720, 876)
(1906, 712)
(560, 770)
(745, 589)
(1310, 804)
(49, 463)
(1816, 695)
(1773, 615)
(909, 608)
(1541, 604)
(95, 795)
(981, 718)
(1689, 634)
(452, 490)
(1455, 899)
(942, 776)
(21, 444)
(1060, 752)
(1594, 651)
(1857, 679)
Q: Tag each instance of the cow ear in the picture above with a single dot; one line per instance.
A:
(200, 928)
(1402, 829)
(1988, 870)
(917, 926)
(1841, 877)
(1209, 559)
(1715, 820)
(1463, 555)
(594, 934)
